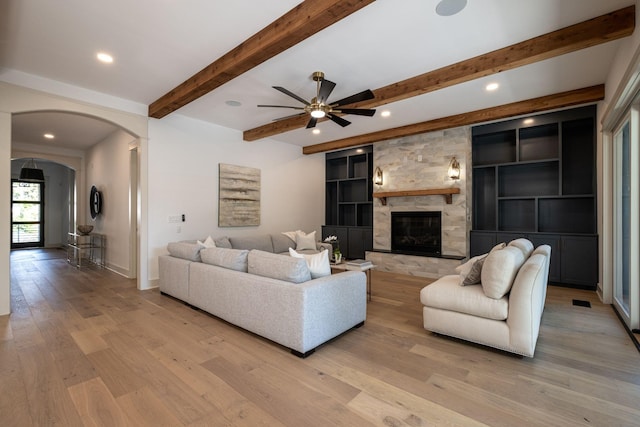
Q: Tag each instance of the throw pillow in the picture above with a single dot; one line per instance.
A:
(474, 275)
(208, 243)
(291, 234)
(305, 241)
(318, 263)
(466, 267)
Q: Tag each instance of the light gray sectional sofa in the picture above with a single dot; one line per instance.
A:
(263, 291)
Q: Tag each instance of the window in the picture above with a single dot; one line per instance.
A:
(27, 214)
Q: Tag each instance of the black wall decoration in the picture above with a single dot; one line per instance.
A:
(95, 202)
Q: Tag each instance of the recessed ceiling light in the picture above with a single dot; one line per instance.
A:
(385, 113)
(316, 131)
(49, 135)
(104, 57)
(492, 86)
(232, 103)
(528, 121)
(450, 7)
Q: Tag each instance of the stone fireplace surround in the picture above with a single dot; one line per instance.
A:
(421, 162)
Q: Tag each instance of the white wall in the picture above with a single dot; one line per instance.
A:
(107, 167)
(183, 179)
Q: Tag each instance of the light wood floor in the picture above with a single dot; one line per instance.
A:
(84, 347)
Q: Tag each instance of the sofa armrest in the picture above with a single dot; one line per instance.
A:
(526, 303)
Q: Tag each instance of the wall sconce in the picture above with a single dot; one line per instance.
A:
(377, 176)
(454, 169)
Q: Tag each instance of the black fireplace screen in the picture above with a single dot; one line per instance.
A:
(418, 233)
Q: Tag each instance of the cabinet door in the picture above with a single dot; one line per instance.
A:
(579, 261)
(481, 242)
(552, 240)
(360, 241)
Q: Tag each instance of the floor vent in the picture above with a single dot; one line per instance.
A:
(581, 303)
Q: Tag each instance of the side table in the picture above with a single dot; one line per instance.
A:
(366, 269)
(91, 247)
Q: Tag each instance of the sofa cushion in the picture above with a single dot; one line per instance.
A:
(234, 259)
(524, 245)
(445, 294)
(305, 241)
(279, 267)
(262, 243)
(318, 263)
(185, 250)
(282, 243)
(499, 269)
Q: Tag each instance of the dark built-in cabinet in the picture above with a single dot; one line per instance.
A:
(535, 177)
(349, 200)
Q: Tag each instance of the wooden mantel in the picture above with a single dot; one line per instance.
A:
(446, 192)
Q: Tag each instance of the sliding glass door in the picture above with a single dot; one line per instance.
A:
(27, 214)
(626, 236)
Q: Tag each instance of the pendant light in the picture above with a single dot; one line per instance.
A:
(30, 172)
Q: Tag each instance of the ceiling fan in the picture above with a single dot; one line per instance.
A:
(319, 107)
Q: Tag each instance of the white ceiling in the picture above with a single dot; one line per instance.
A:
(158, 44)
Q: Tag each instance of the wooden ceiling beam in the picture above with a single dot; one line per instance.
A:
(602, 29)
(304, 20)
(530, 106)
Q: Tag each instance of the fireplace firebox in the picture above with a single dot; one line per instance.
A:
(416, 233)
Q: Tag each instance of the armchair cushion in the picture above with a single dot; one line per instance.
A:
(499, 269)
(446, 294)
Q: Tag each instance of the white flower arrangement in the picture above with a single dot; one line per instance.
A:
(330, 239)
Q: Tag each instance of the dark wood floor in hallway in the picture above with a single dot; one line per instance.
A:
(85, 347)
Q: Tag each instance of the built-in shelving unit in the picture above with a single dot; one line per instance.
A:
(535, 177)
(349, 201)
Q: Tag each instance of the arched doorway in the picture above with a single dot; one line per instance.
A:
(16, 100)
(99, 152)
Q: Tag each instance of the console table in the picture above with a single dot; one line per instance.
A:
(88, 247)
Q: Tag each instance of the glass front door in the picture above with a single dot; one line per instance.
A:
(27, 214)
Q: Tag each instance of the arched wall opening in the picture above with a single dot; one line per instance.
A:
(18, 100)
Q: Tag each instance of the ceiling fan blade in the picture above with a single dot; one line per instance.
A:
(312, 123)
(339, 120)
(325, 90)
(281, 106)
(289, 117)
(362, 96)
(291, 94)
(356, 111)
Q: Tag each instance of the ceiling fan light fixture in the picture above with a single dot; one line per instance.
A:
(318, 114)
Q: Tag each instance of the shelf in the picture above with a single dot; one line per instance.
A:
(446, 192)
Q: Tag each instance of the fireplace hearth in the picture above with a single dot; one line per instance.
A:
(416, 233)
